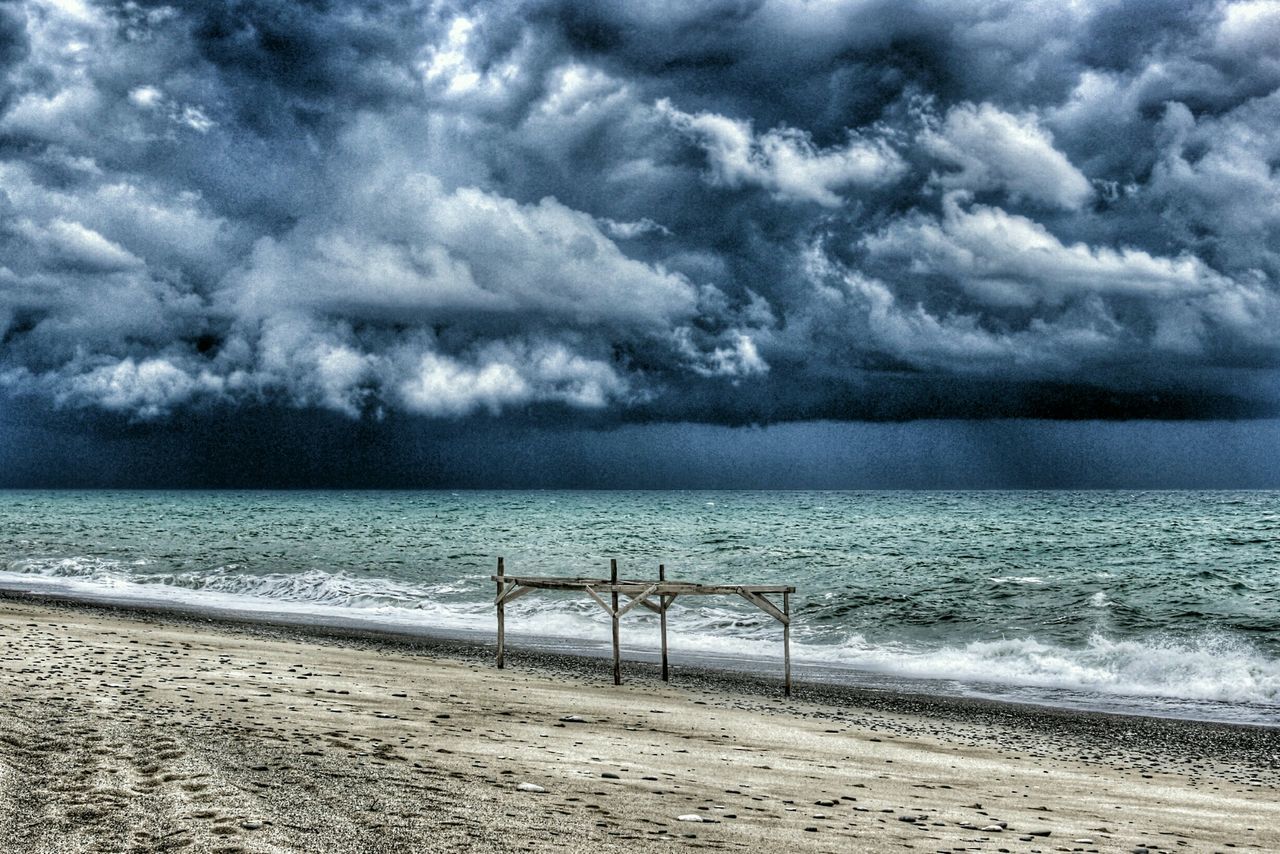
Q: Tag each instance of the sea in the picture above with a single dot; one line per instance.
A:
(1158, 603)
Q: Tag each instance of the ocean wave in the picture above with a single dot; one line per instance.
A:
(228, 587)
(1204, 667)
(1215, 667)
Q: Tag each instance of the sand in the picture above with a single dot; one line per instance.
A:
(127, 731)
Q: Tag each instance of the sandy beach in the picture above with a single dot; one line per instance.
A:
(134, 731)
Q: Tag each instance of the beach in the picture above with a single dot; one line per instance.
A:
(154, 731)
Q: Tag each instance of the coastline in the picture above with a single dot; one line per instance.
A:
(851, 680)
(584, 662)
(74, 673)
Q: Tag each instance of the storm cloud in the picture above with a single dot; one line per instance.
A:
(728, 212)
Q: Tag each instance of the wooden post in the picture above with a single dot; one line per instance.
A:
(502, 587)
(662, 600)
(786, 645)
(617, 654)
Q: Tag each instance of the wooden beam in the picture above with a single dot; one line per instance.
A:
(617, 653)
(786, 645)
(643, 601)
(501, 612)
(662, 576)
(765, 605)
(631, 587)
(516, 591)
(603, 604)
(637, 600)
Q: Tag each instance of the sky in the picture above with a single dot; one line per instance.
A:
(921, 244)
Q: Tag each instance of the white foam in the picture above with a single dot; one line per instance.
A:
(311, 592)
(1204, 667)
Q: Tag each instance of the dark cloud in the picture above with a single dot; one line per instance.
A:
(273, 448)
(630, 212)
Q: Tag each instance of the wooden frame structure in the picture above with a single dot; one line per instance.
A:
(638, 592)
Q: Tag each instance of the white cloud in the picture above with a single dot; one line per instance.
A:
(65, 243)
(445, 386)
(504, 375)
(992, 149)
(785, 160)
(448, 62)
(149, 388)
(1250, 27)
(195, 118)
(1004, 259)
(1071, 296)
(137, 221)
(418, 252)
(574, 89)
(737, 357)
(145, 97)
(960, 342)
(1218, 174)
(633, 229)
(150, 98)
(52, 117)
(880, 322)
(452, 71)
(326, 363)
(313, 363)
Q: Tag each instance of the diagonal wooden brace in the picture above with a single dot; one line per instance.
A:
(514, 591)
(603, 604)
(644, 602)
(637, 600)
(765, 605)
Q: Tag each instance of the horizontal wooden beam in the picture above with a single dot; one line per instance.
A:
(634, 588)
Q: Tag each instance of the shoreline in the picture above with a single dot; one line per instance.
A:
(1253, 743)
(811, 664)
(151, 731)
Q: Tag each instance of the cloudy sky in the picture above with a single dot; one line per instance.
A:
(387, 242)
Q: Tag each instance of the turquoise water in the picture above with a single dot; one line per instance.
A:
(1163, 602)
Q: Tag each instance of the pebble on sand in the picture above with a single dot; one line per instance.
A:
(691, 816)
(529, 787)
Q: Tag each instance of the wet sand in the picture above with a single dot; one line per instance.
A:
(134, 731)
